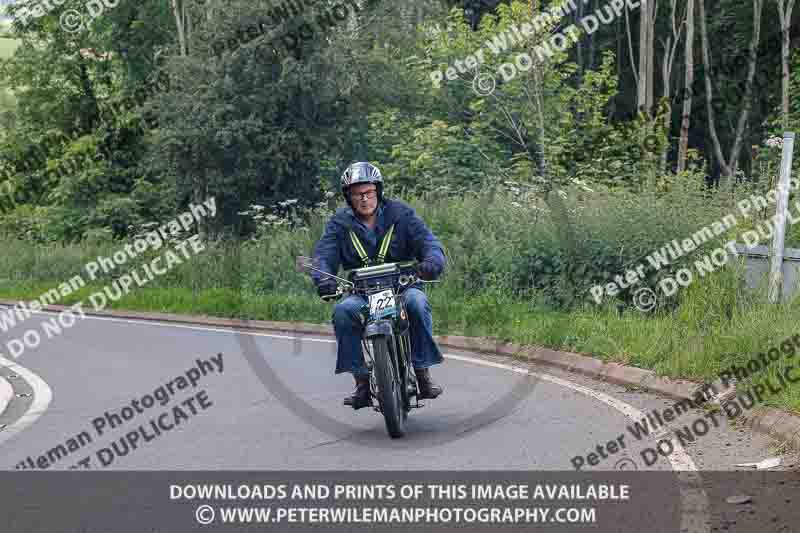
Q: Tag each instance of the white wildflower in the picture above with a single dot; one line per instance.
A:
(774, 142)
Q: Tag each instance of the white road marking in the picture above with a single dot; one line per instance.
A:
(679, 459)
(42, 395)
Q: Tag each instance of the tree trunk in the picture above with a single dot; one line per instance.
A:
(728, 167)
(200, 194)
(592, 44)
(683, 143)
(785, 16)
(670, 48)
(581, 62)
(188, 22)
(89, 108)
(539, 102)
(712, 130)
(641, 90)
(630, 47)
(646, 29)
(651, 56)
(178, 12)
(737, 144)
(613, 108)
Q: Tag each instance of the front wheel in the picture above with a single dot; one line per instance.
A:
(390, 397)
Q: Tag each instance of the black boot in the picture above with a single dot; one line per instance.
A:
(427, 388)
(360, 397)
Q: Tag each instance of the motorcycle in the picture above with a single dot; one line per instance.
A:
(386, 338)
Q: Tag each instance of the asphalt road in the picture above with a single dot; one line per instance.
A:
(217, 400)
(290, 416)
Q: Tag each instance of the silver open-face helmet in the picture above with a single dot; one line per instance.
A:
(361, 172)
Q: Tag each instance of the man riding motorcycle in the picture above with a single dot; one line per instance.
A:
(370, 231)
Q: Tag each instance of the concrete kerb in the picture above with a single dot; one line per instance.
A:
(6, 394)
(778, 424)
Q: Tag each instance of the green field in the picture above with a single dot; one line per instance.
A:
(7, 47)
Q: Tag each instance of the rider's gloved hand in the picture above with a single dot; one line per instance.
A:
(426, 270)
(327, 287)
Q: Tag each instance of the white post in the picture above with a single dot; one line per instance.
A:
(776, 269)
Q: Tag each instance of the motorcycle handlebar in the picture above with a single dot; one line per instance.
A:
(341, 290)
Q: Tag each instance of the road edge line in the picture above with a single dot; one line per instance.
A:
(6, 394)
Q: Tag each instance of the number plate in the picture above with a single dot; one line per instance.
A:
(382, 304)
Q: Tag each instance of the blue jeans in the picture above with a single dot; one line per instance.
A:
(348, 327)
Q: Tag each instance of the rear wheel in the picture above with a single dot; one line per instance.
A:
(390, 397)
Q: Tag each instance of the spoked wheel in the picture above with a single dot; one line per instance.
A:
(390, 395)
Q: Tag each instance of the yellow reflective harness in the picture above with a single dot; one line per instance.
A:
(381, 252)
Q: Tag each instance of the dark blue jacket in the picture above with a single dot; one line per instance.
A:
(411, 240)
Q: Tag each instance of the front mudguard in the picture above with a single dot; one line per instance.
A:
(379, 327)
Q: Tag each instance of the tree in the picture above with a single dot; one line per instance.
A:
(670, 47)
(683, 143)
(729, 165)
(647, 20)
(785, 16)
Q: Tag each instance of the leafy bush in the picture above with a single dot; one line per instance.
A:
(510, 241)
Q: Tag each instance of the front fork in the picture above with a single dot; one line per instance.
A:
(401, 345)
(377, 328)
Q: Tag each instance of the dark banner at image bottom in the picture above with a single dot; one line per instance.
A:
(439, 501)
